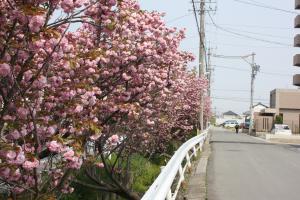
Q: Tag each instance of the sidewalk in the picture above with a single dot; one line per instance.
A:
(197, 183)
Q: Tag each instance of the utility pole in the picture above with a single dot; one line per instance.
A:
(254, 70)
(201, 58)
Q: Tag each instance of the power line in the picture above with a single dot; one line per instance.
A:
(240, 99)
(255, 33)
(239, 37)
(245, 70)
(232, 68)
(255, 3)
(230, 90)
(246, 36)
(196, 18)
(233, 90)
(255, 26)
(178, 18)
(249, 46)
(240, 45)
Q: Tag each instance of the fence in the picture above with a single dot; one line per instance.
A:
(161, 188)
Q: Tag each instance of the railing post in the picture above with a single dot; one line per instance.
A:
(201, 144)
(188, 160)
(195, 151)
(181, 174)
(169, 196)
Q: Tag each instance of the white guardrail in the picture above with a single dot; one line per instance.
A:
(161, 188)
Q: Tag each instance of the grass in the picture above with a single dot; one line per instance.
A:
(143, 174)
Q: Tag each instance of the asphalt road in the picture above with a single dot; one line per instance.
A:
(245, 168)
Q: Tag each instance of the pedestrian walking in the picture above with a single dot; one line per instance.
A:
(237, 128)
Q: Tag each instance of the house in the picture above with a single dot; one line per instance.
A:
(257, 108)
(262, 123)
(230, 115)
(263, 118)
(284, 103)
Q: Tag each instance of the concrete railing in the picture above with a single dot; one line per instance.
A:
(161, 188)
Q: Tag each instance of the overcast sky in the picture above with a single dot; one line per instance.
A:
(231, 87)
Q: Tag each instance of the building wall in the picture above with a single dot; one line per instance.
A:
(273, 99)
(263, 123)
(291, 118)
(289, 99)
(229, 117)
(285, 99)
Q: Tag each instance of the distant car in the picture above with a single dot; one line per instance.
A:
(230, 124)
(282, 129)
(246, 125)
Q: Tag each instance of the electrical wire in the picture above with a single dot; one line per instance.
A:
(178, 18)
(254, 26)
(245, 70)
(240, 99)
(239, 45)
(234, 90)
(255, 33)
(257, 4)
(230, 90)
(247, 36)
(249, 46)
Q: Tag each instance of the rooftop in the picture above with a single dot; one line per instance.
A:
(230, 113)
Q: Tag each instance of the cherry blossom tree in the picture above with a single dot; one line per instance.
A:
(69, 100)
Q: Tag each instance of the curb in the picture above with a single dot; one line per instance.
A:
(274, 142)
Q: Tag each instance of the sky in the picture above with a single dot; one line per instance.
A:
(231, 77)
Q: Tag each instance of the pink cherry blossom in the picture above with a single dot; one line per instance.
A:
(11, 155)
(51, 130)
(150, 123)
(126, 77)
(54, 146)
(78, 109)
(29, 165)
(4, 69)
(22, 112)
(4, 172)
(17, 190)
(36, 22)
(69, 155)
(13, 135)
(100, 165)
(19, 160)
(114, 139)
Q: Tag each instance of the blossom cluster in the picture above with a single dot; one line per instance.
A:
(119, 78)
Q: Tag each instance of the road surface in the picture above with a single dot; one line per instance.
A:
(245, 168)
